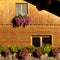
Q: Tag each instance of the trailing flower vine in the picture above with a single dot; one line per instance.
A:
(21, 20)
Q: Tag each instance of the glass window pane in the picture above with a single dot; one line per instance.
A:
(46, 40)
(18, 9)
(24, 9)
(36, 41)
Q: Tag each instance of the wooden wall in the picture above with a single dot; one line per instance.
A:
(43, 23)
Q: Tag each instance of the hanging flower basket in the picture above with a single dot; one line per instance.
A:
(21, 20)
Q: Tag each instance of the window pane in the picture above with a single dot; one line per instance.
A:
(46, 40)
(24, 9)
(18, 9)
(36, 41)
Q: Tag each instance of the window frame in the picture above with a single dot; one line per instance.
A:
(41, 39)
(21, 5)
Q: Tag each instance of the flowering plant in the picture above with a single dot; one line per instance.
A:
(55, 50)
(37, 53)
(21, 20)
(22, 54)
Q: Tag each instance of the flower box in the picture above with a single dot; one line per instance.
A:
(21, 20)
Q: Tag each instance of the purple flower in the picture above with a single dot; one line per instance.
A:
(25, 20)
(23, 54)
(18, 21)
(28, 20)
(38, 52)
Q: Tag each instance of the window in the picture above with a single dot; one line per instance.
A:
(36, 41)
(39, 41)
(46, 40)
(22, 8)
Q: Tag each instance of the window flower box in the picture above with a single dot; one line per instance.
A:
(21, 20)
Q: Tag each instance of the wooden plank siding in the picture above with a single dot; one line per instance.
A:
(43, 23)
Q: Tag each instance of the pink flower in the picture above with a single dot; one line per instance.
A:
(17, 21)
(26, 20)
(38, 52)
(23, 54)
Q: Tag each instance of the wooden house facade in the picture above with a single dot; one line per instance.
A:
(44, 27)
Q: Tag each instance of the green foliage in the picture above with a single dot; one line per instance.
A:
(1, 48)
(30, 49)
(14, 48)
(46, 49)
(23, 49)
(59, 48)
(20, 16)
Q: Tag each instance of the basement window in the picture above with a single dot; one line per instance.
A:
(22, 8)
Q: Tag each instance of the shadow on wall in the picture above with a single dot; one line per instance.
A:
(52, 6)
